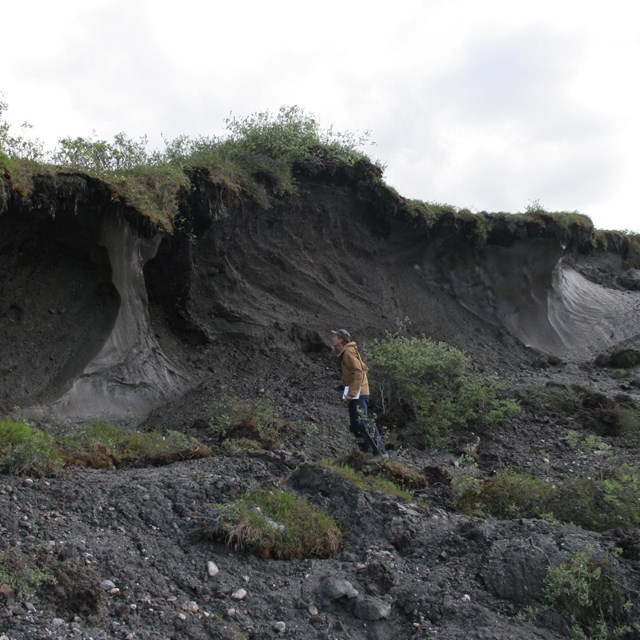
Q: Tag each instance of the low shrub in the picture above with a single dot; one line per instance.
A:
(430, 388)
(27, 449)
(599, 503)
(275, 524)
(594, 503)
(583, 590)
(557, 397)
(507, 495)
(623, 358)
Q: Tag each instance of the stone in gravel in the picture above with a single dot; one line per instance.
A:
(279, 627)
(239, 594)
(334, 588)
(212, 569)
(372, 609)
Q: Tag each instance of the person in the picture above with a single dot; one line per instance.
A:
(356, 396)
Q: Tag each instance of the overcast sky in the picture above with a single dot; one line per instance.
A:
(490, 105)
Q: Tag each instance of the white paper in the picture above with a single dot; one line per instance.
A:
(346, 393)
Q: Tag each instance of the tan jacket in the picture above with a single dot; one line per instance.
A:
(354, 370)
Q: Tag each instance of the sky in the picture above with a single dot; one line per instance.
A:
(489, 105)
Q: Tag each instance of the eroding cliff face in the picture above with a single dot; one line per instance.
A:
(130, 374)
(532, 289)
(80, 337)
(77, 341)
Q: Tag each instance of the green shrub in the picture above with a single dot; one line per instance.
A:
(583, 591)
(632, 257)
(27, 449)
(599, 503)
(290, 135)
(623, 358)
(275, 524)
(559, 397)
(507, 495)
(432, 385)
(594, 503)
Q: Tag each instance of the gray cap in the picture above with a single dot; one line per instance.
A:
(343, 334)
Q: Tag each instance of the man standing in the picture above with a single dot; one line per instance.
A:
(356, 396)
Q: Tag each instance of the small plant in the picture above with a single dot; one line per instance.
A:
(275, 524)
(465, 476)
(430, 387)
(22, 572)
(27, 449)
(582, 590)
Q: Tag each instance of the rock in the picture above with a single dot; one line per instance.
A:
(372, 609)
(212, 569)
(279, 627)
(334, 588)
(239, 594)
(107, 585)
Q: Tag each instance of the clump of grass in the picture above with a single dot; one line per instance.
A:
(22, 572)
(154, 191)
(369, 478)
(240, 424)
(106, 444)
(583, 590)
(275, 524)
(25, 449)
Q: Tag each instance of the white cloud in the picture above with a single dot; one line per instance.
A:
(484, 105)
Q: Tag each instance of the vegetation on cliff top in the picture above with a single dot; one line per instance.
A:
(259, 157)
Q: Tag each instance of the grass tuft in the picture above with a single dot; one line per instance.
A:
(277, 525)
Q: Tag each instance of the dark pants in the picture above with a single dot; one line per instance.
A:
(365, 430)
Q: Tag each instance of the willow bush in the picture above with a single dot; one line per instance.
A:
(430, 388)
